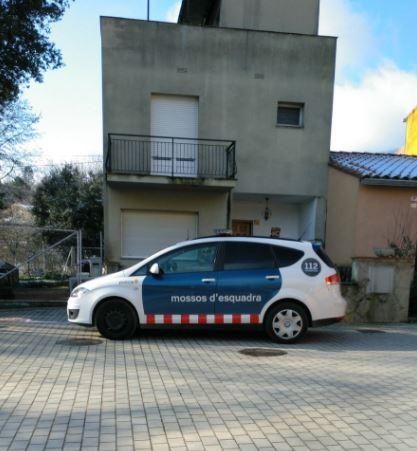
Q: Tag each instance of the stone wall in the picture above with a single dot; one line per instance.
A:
(369, 304)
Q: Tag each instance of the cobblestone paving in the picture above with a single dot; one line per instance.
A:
(339, 389)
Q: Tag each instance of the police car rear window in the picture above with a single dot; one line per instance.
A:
(287, 256)
(245, 256)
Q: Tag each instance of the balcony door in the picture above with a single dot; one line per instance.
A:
(176, 118)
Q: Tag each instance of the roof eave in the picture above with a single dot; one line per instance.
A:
(344, 170)
(389, 182)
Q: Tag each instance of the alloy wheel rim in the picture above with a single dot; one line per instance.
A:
(287, 324)
(115, 320)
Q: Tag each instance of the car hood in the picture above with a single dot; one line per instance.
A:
(101, 281)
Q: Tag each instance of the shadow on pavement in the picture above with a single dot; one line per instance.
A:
(51, 324)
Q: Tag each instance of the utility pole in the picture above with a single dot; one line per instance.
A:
(148, 10)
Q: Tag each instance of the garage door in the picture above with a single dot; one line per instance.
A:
(145, 232)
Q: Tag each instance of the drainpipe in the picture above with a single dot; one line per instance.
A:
(229, 210)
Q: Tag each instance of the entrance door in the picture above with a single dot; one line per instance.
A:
(174, 117)
(242, 228)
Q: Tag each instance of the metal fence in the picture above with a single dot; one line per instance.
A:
(172, 157)
(345, 273)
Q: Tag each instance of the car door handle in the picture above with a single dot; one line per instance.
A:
(208, 280)
(272, 277)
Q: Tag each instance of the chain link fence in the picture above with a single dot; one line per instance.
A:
(41, 257)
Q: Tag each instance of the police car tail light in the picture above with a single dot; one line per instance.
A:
(334, 279)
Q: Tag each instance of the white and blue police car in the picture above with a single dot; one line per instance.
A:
(285, 286)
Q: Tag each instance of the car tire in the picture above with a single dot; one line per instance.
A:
(116, 320)
(286, 322)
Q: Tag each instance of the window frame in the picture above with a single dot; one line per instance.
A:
(293, 105)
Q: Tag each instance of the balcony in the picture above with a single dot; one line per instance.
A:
(160, 159)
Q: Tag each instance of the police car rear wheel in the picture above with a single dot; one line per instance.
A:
(286, 323)
(116, 320)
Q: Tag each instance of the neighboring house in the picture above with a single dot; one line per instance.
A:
(372, 203)
(411, 133)
(221, 121)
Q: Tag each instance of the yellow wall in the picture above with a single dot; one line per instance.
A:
(411, 134)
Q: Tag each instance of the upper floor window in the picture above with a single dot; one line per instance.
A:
(290, 114)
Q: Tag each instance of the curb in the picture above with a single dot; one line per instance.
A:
(30, 304)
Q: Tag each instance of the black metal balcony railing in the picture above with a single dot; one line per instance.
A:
(169, 156)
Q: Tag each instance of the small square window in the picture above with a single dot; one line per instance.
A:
(290, 114)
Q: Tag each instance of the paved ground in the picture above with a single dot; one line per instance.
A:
(338, 389)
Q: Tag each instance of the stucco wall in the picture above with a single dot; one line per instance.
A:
(366, 306)
(289, 16)
(342, 204)
(384, 214)
(238, 76)
(211, 207)
(362, 217)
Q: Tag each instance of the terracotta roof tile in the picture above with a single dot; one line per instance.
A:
(375, 165)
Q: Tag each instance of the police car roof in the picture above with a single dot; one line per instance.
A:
(260, 237)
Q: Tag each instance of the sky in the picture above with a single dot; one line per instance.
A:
(376, 71)
(375, 89)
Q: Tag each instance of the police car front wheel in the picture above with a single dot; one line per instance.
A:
(116, 320)
(286, 322)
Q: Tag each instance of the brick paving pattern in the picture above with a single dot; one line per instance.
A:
(338, 389)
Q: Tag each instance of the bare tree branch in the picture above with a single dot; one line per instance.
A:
(17, 128)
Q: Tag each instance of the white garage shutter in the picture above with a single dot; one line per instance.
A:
(145, 232)
(177, 117)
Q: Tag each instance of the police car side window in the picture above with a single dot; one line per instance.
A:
(246, 256)
(190, 259)
(286, 256)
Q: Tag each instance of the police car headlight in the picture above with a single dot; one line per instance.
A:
(78, 292)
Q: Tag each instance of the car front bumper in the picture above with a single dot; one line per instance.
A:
(79, 310)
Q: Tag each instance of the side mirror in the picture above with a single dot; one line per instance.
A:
(154, 270)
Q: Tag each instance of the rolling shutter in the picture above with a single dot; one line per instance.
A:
(174, 117)
(145, 232)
